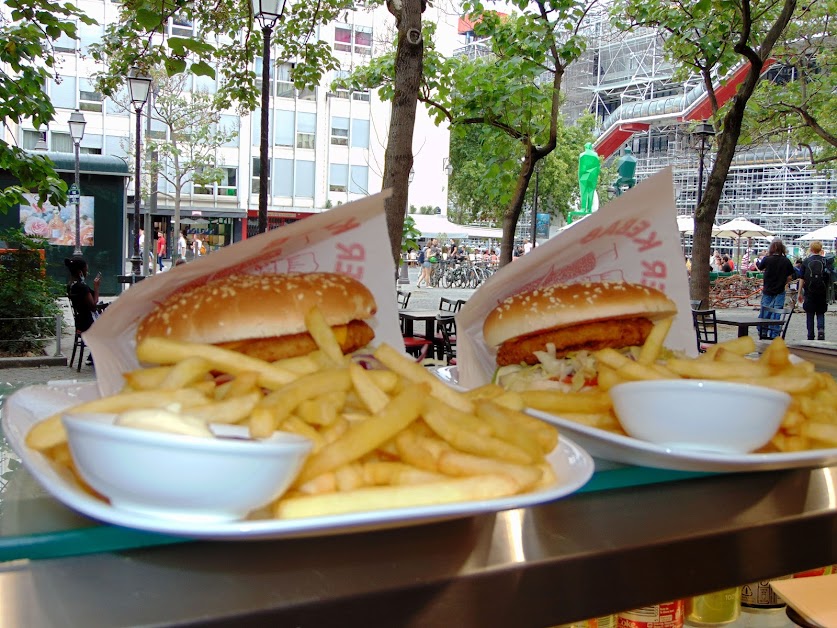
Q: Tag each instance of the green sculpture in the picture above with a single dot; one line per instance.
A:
(626, 168)
(589, 166)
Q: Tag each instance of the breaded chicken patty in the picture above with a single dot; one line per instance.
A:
(624, 332)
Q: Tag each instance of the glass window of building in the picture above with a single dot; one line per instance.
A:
(283, 184)
(159, 130)
(338, 177)
(257, 68)
(361, 94)
(306, 130)
(360, 133)
(228, 185)
(63, 92)
(343, 37)
(359, 181)
(88, 98)
(114, 108)
(255, 126)
(284, 81)
(231, 124)
(205, 84)
(116, 146)
(284, 131)
(65, 43)
(363, 40)
(305, 179)
(29, 138)
(182, 26)
(61, 142)
(340, 131)
(254, 183)
(340, 92)
(91, 144)
(88, 34)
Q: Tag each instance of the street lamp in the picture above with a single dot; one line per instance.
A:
(77, 124)
(139, 84)
(267, 13)
(705, 132)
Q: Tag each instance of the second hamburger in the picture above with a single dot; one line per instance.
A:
(546, 337)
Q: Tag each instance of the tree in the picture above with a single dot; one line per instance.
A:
(710, 37)
(802, 97)
(477, 151)
(517, 91)
(27, 63)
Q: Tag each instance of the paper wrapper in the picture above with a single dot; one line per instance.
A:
(815, 599)
(633, 238)
(351, 239)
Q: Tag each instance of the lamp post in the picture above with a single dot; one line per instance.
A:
(267, 13)
(705, 132)
(139, 85)
(77, 124)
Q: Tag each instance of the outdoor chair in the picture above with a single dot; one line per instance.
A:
(696, 303)
(448, 305)
(416, 346)
(706, 328)
(784, 317)
(447, 329)
(78, 341)
(403, 299)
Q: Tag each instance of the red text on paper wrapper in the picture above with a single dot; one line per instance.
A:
(654, 274)
(629, 228)
(336, 228)
(349, 260)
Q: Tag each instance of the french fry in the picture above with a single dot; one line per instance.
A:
(414, 451)
(361, 438)
(558, 402)
(776, 354)
(823, 432)
(232, 410)
(627, 368)
(149, 378)
(697, 369)
(545, 434)
(165, 351)
(284, 400)
(509, 430)
(650, 350)
(187, 372)
(384, 497)
(295, 425)
(379, 473)
(323, 335)
(486, 391)
(242, 384)
(349, 477)
(459, 464)
(372, 397)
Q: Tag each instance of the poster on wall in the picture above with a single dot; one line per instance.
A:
(57, 224)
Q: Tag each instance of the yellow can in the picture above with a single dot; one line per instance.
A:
(720, 607)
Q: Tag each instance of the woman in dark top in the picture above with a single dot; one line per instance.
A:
(82, 297)
(778, 273)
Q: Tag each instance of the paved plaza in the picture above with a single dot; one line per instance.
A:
(420, 298)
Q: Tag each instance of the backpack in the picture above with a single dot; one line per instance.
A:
(815, 277)
(421, 257)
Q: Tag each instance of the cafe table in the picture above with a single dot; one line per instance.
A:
(632, 536)
(428, 317)
(743, 321)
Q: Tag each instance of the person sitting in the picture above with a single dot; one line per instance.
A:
(83, 299)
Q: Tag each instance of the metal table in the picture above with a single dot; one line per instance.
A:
(744, 321)
(583, 556)
(428, 317)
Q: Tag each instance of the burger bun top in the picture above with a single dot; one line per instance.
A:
(565, 305)
(240, 307)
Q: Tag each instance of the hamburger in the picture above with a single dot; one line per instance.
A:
(545, 338)
(263, 316)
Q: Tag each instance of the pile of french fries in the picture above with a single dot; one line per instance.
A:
(809, 423)
(383, 438)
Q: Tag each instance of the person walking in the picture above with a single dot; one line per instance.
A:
(778, 273)
(161, 249)
(815, 279)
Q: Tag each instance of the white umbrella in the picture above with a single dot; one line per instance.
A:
(739, 228)
(827, 233)
(433, 225)
(686, 225)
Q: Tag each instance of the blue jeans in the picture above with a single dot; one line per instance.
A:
(777, 301)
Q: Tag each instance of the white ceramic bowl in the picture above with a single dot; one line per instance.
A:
(183, 477)
(700, 415)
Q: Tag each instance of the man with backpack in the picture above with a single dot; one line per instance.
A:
(815, 279)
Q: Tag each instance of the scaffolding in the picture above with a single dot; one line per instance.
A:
(626, 82)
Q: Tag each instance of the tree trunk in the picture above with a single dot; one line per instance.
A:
(512, 212)
(398, 160)
(727, 142)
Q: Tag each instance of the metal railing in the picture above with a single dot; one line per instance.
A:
(56, 336)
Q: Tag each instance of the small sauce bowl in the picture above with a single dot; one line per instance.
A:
(700, 415)
(186, 478)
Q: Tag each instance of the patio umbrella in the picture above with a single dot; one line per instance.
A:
(686, 225)
(827, 233)
(739, 228)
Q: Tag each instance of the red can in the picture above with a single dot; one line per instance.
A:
(666, 615)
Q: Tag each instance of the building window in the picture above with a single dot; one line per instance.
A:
(356, 39)
(361, 94)
(29, 139)
(340, 131)
(304, 184)
(231, 124)
(284, 81)
(284, 131)
(88, 98)
(338, 178)
(63, 92)
(64, 43)
(306, 130)
(228, 185)
(61, 142)
(360, 133)
(182, 26)
(359, 181)
(284, 183)
(340, 92)
(254, 184)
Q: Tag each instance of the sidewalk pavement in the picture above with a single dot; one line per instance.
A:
(420, 298)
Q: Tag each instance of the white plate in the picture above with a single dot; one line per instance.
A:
(627, 450)
(573, 466)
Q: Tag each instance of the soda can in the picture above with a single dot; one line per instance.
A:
(761, 595)
(714, 609)
(666, 615)
(608, 621)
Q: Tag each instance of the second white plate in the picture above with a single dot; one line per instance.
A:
(609, 446)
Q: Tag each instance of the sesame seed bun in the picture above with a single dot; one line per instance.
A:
(244, 307)
(565, 306)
